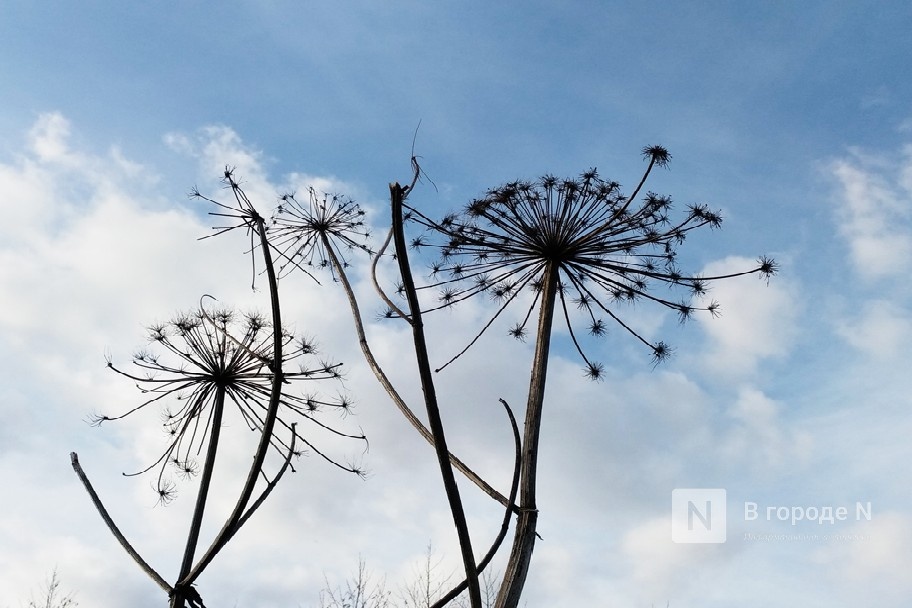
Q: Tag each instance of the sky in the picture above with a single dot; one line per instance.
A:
(793, 119)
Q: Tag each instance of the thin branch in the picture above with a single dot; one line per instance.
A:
(232, 523)
(272, 484)
(155, 576)
(505, 524)
(377, 288)
(394, 394)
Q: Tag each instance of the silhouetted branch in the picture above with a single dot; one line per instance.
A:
(376, 258)
(229, 528)
(99, 506)
(391, 390)
(505, 524)
(397, 196)
(270, 486)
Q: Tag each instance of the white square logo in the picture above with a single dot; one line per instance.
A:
(698, 515)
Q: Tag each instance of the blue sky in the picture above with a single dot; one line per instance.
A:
(794, 119)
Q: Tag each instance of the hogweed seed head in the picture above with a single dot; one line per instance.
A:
(206, 355)
(608, 249)
(301, 231)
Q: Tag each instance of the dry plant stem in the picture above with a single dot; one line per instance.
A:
(592, 234)
(391, 390)
(234, 520)
(377, 288)
(275, 480)
(155, 576)
(397, 195)
(524, 538)
(205, 480)
(505, 525)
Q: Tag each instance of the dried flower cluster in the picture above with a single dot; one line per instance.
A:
(578, 249)
(204, 357)
(607, 249)
(299, 231)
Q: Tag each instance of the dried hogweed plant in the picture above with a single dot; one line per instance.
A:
(577, 249)
(202, 363)
(218, 358)
(581, 248)
(580, 242)
(319, 234)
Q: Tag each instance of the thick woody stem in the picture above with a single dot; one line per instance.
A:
(524, 538)
(397, 195)
(177, 599)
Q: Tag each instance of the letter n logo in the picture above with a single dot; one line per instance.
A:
(698, 515)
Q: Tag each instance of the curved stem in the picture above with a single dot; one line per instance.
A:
(397, 195)
(99, 506)
(232, 524)
(391, 390)
(505, 524)
(377, 288)
(270, 486)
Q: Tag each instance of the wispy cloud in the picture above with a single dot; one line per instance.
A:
(99, 247)
(95, 251)
(874, 211)
(876, 552)
(760, 438)
(881, 329)
(757, 321)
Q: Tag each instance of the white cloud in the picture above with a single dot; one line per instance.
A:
(218, 147)
(882, 329)
(872, 558)
(757, 318)
(874, 206)
(99, 249)
(760, 438)
(48, 137)
(92, 254)
(215, 148)
(663, 570)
